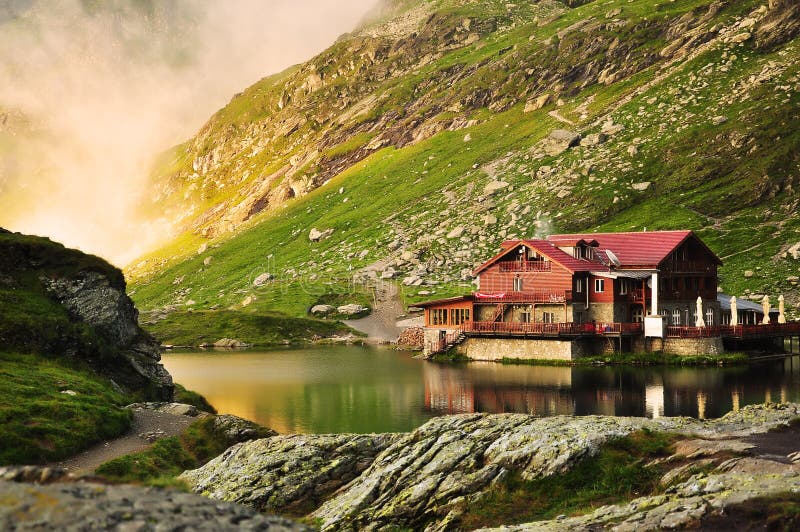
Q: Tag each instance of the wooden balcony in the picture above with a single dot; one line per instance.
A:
(551, 330)
(687, 266)
(776, 330)
(535, 296)
(526, 266)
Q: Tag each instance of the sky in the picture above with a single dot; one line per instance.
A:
(92, 90)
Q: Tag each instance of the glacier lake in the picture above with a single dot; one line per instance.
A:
(336, 389)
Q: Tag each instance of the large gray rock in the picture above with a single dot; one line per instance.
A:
(87, 506)
(287, 473)
(92, 298)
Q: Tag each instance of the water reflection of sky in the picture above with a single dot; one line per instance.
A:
(353, 389)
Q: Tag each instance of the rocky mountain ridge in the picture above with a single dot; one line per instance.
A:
(416, 144)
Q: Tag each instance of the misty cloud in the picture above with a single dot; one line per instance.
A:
(92, 91)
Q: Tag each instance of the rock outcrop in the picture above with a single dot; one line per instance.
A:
(424, 478)
(89, 506)
(93, 319)
(287, 474)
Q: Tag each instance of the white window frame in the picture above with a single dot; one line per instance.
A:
(579, 285)
(548, 317)
(709, 316)
(599, 286)
(676, 316)
(517, 284)
(623, 287)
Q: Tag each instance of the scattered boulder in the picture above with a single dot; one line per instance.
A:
(494, 187)
(351, 310)
(719, 120)
(230, 343)
(207, 261)
(594, 139)
(559, 141)
(537, 103)
(315, 235)
(641, 187)
(322, 310)
(202, 249)
(794, 251)
(262, 279)
(456, 232)
(749, 273)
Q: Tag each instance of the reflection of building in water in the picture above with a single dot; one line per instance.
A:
(701, 405)
(652, 392)
(495, 388)
(654, 400)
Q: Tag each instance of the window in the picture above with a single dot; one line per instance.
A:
(676, 317)
(579, 285)
(623, 287)
(709, 317)
(548, 317)
(525, 317)
(517, 284)
(439, 316)
(637, 316)
(577, 317)
(459, 316)
(599, 285)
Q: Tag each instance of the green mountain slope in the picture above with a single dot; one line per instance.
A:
(426, 139)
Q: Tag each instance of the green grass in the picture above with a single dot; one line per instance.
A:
(618, 473)
(641, 359)
(169, 457)
(189, 397)
(39, 423)
(254, 328)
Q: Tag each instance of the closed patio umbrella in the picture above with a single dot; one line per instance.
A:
(765, 306)
(699, 321)
(734, 312)
(781, 310)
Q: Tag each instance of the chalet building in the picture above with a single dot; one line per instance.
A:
(582, 284)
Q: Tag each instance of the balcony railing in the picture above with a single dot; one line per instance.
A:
(687, 266)
(526, 266)
(551, 329)
(776, 330)
(534, 296)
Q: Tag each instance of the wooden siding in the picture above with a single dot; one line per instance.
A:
(558, 279)
(467, 305)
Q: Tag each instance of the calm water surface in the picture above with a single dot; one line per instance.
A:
(360, 389)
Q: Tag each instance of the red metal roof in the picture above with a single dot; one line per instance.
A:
(549, 250)
(637, 249)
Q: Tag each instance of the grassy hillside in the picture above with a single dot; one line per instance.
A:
(425, 140)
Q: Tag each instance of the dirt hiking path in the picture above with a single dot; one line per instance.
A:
(144, 421)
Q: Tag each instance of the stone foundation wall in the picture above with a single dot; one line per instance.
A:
(693, 346)
(494, 349)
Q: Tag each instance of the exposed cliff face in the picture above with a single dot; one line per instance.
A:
(61, 302)
(426, 479)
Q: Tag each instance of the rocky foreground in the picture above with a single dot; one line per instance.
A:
(426, 479)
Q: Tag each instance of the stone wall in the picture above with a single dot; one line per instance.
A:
(494, 349)
(693, 346)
